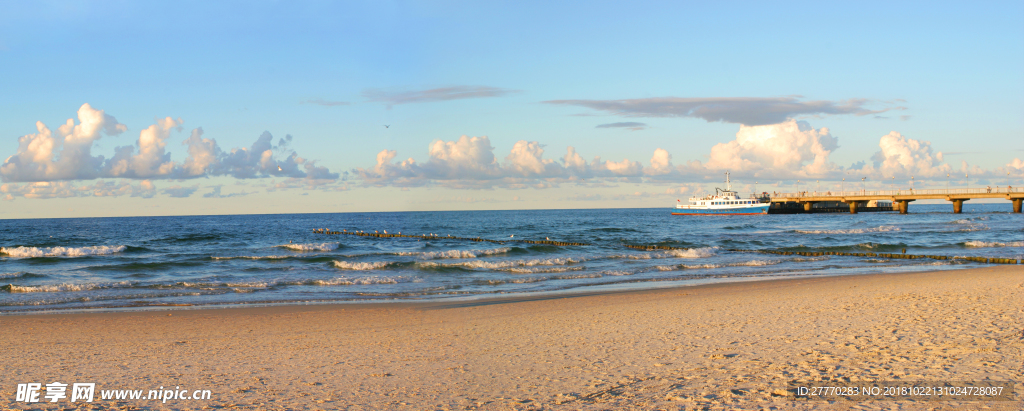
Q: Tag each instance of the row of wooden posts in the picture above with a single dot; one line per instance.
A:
(385, 234)
(987, 260)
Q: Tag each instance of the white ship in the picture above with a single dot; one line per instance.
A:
(723, 202)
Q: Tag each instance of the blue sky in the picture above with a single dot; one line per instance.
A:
(946, 77)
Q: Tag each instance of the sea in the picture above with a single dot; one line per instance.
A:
(181, 262)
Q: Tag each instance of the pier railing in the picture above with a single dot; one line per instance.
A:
(907, 192)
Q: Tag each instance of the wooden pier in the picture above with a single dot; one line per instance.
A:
(901, 198)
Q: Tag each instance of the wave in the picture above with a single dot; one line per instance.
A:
(63, 287)
(498, 265)
(21, 275)
(993, 244)
(433, 255)
(372, 265)
(879, 229)
(312, 246)
(751, 263)
(28, 252)
(703, 252)
(535, 270)
(969, 220)
(254, 257)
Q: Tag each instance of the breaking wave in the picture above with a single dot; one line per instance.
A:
(372, 265)
(312, 246)
(703, 252)
(751, 263)
(535, 270)
(993, 244)
(27, 252)
(879, 229)
(498, 265)
(433, 255)
(254, 257)
(63, 287)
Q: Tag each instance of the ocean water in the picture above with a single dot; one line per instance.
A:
(139, 262)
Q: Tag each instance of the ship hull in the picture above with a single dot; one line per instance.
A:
(757, 210)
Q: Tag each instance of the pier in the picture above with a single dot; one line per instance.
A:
(900, 198)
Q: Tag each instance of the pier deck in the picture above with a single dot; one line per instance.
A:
(901, 198)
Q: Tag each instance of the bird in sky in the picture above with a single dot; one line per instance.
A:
(279, 168)
(387, 126)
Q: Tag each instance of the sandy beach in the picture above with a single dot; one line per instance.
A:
(725, 346)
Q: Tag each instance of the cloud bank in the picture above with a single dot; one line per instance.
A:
(66, 154)
(751, 111)
(785, 151)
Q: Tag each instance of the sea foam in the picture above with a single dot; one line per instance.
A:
(431, 255)
(312, 246)
(879, 229)
(994, 244)
(62, 251)
(498, 265)
(372, 265)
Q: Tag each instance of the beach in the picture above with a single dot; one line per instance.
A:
(720, 346)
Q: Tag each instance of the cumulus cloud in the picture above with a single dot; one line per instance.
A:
(903, 157)
(629, 125)
(788, 149)
(751, 111)
(152, 160)
(65, 154)
(469, 162)
(392, 98)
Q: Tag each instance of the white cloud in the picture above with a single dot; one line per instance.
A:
(784, 150)
(66, 155)
(469, 162)
(903, 157)
(152, 159)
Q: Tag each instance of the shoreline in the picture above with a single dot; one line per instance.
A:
(615, 288)
(732, 345)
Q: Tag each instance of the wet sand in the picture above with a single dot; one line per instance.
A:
(725, 346)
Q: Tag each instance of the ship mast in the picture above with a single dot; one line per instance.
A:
(728, 185)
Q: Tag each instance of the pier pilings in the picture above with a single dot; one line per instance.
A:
(958, 205)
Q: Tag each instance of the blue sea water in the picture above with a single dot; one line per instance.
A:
(135, 262)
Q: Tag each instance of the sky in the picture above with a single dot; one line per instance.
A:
(188, 108)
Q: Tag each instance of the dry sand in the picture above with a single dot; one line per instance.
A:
(727, 346)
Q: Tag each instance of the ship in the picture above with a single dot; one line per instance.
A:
(723, 202)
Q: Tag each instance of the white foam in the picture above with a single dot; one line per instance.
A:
(879, 229)
(63, 287)
(430, 255)
(533, 270)
(758, 263)
(994, 244)
(702, 252)
(62, 251)
(372, 265)
(312, 246)
(497, 265)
